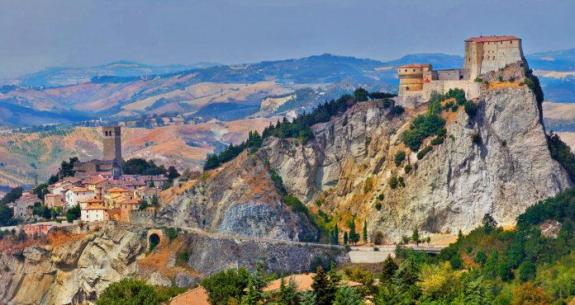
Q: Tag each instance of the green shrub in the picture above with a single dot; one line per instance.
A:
(437, 140)
(171, 233)
(408, 168)
(378, 206)
(424, 152)
(422, 127)
(393, 182)
(182, 258)
(380, 197)
(400, 182)
(397, 110)
(399, 157)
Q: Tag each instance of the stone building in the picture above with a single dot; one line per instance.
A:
(111, 165)
(483, 54)
(490, 53)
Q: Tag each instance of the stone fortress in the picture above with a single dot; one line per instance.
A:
(483, 54)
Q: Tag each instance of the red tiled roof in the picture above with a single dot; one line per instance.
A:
(492, 38)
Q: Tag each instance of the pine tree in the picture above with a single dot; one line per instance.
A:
(345, 238)
(389, 269)
(325, 286)
(415, 236)
(288, 293)
(365, 231)
(353, 235)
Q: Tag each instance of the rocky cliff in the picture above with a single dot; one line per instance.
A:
(239, 199)
(75, 265)
(496, 162)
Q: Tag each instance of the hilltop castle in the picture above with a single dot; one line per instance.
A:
(483, 54)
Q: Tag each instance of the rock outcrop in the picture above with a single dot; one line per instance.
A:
(496, 162)
(75, 266)
(239, 199)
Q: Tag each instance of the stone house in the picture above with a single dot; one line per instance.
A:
(54, 200)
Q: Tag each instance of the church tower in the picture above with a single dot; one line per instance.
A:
(112, 140)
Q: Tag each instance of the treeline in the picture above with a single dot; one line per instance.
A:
(300, 127)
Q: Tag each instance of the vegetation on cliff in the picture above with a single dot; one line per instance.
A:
(299, 128)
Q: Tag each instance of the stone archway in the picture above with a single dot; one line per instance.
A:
(155, 238)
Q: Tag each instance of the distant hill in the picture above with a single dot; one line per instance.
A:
(65, 76)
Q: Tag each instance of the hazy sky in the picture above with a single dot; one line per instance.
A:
(35, 34)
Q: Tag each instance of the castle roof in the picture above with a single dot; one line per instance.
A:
(492, 38)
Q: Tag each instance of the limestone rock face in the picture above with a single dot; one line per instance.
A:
(79, 267)
(349, 162)
(72, 273)
(241, 200)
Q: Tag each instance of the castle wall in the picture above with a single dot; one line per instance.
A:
(497, 55)
(471, 88)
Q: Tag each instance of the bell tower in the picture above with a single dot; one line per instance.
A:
(112, 140)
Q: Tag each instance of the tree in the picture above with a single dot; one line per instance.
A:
(129, 292)
(399, 157)
(226, 285)
(73, 213)
(41, 190)
(324, 287)
(288, 293)
(13, 195)
(365, 231)
(388, 270)
(347, 296)
(307, 298)
(6, 215)
(345, 238)
(489, 223)
(361, 95)
(172, 173)
(353, 235)
(415, 236)
(529, 294)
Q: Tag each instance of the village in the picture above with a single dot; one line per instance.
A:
(109, 189)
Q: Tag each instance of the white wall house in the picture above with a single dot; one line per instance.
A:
(76, 195)
(92, 214)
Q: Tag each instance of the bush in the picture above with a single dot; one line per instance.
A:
(393, 182)
(378, 206)
(73, 213)
(380, 196)
(399, 157)
(408, 168)
(422, 127)
(172, 233)
(421, 154)
(437, 140)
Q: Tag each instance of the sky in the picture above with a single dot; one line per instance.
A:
(35, 34)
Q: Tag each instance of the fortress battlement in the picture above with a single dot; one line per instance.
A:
(483, 54)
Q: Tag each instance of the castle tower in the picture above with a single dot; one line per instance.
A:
(413, 76)
(490, 53)
(112, 140)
